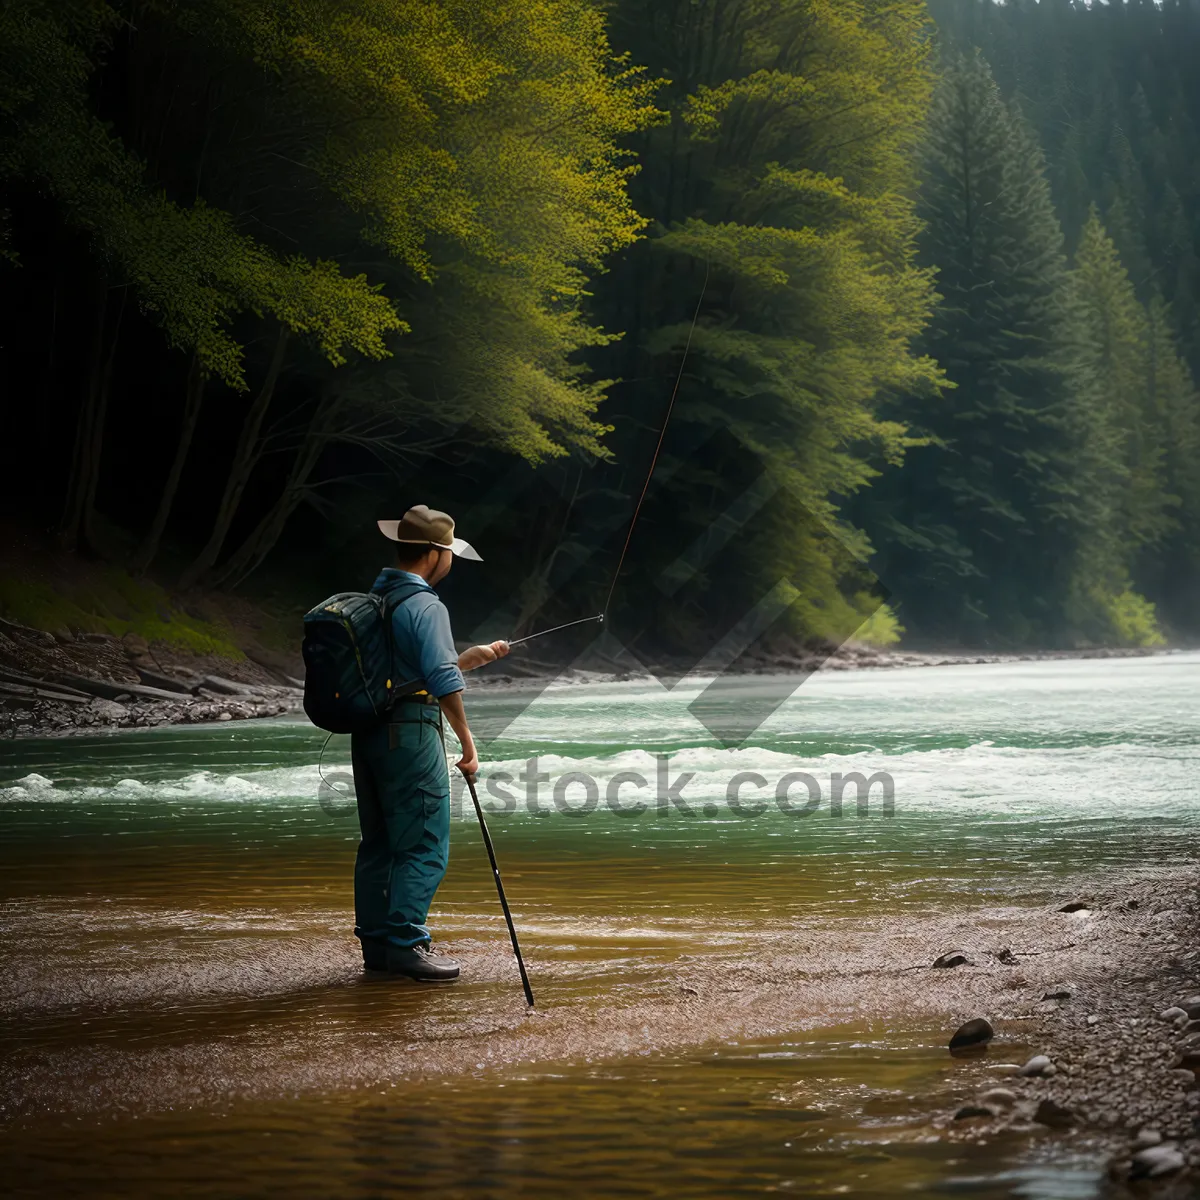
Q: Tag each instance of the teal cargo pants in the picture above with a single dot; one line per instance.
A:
(403, 790)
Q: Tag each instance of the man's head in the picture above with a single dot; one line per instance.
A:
(430, 562)
(425, 543)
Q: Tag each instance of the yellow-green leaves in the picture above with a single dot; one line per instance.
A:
(480, 146)
(466, 155)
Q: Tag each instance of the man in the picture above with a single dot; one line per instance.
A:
(400, 773)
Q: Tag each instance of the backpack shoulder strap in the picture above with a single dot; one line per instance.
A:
(396, 597)
(404, 591)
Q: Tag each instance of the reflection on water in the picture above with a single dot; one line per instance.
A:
(176, 922)
(844, 1114)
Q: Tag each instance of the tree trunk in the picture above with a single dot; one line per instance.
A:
(77, 523)
(244, 459)
(77, 485)
(250, 554)
(193, 400)
(96, 445)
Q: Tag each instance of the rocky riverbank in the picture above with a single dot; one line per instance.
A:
(63, 683)
(1117, 1043)
(53, 684)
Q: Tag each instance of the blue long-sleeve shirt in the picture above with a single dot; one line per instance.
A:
(424, 643)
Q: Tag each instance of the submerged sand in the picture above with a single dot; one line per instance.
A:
(136, 1024)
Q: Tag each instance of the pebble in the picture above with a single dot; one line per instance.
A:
(1039, 1064)
(1173, 1013)
(954, 958)
(1147, 1137)
(1157, 1160)
(999, 1096)
(1093, 1019)
(972, 1110)
(1053, 1114)
(1007, 1068)
(1058, 994)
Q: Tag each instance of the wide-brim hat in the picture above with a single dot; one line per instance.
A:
(425, 526)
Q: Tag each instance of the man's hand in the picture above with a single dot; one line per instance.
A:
(469, 765)
(480, 656)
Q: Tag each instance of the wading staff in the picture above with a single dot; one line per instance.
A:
(512, 933)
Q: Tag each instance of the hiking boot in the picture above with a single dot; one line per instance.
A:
(374, 955)
(420, 962)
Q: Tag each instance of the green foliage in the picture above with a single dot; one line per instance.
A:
(479, 144)
(1110, 90)
(112, 602)
(780, 190)
(462, 222)
(973, 528)
(452, 171)
(1121, 433)
(1122, 618)
(882, 628)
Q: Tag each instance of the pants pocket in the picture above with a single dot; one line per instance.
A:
(434, 802)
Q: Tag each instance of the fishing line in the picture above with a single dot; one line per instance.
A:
(657, 449)
(601, 617)
(320, 762)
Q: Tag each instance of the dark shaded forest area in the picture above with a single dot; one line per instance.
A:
(929, 294)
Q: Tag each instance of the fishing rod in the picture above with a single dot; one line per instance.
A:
(601, 617)
(582, 621)
(512, 932)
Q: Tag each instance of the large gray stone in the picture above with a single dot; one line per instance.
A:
(976, 1033)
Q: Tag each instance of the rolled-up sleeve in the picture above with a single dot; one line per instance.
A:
(439, 660)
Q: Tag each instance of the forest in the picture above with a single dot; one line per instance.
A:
(918, 287)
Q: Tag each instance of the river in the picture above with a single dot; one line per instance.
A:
(183, 1013)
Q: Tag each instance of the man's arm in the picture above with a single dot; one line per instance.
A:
(443, 675)
(480, 656)
(456, 714)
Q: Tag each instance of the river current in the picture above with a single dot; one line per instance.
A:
(176, 914)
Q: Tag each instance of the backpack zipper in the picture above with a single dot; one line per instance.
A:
(361, 669)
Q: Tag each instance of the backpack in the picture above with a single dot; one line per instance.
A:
(348, 653)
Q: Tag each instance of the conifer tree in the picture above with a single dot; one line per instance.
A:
(1172, 574)
(971, 529)
(1132, 400)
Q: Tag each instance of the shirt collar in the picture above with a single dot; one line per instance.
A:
(390, 576)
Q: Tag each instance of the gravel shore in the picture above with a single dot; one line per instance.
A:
(1117, 1040)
